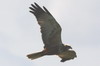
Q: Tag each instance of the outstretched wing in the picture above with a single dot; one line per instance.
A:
(50, 29)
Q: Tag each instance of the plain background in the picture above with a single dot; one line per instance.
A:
(20, 32)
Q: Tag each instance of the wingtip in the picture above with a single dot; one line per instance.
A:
(37, 5)
(32, 5)
(34, 2)
(32, 12)
(44, 7)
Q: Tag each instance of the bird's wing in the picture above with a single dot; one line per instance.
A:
(50, 29)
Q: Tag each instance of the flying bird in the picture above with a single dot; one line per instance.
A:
(51, 36)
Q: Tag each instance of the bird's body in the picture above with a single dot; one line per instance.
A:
(51, 36)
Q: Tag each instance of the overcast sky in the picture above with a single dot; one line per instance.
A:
(20, 33)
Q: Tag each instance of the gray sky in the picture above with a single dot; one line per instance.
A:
(20, 33)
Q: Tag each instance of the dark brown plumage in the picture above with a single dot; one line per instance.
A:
(51, 35)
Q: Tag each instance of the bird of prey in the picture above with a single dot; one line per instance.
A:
(51, 36)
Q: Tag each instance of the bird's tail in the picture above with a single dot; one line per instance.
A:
(35, 55)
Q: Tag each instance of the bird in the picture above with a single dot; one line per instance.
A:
(51, 36)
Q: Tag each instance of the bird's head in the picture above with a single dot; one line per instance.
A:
(68, 47)
(67, 55)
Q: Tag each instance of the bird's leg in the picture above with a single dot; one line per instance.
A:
(45, 50)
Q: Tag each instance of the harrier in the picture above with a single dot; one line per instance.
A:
(51, 36)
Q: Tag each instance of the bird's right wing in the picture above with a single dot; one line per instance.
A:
(50, 29)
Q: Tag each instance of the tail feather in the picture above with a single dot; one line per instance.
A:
(35, 55)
